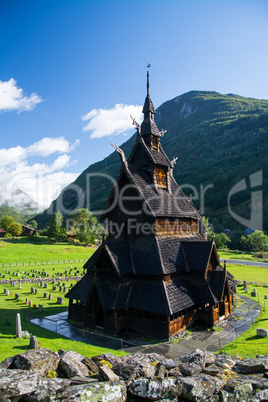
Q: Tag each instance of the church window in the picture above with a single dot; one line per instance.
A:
(154, 142)
(161, 177)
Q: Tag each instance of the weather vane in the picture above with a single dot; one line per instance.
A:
(148, 65)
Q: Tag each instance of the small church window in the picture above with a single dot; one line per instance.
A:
(154, 142)
(161, 177)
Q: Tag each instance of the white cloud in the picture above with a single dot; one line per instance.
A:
(41, 181)
(11, 97)
(106, 122)
(48, 146)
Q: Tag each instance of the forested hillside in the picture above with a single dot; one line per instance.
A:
(218, 139)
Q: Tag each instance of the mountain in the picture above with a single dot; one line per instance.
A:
(219, 140)
(24, 203)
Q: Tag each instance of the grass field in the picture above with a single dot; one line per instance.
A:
(9, 307)
(248, 345)
(240, 255)
(21, 250)
(249, 273)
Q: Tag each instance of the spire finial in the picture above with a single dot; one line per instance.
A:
(148, 85)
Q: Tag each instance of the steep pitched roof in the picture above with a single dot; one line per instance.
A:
(197, 254)
(80, 290)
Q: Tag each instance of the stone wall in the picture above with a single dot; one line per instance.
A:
(43, 375)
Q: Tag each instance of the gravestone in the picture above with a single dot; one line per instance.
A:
(19, 285)
(33, 342)
(266, 296)
(59, 283)
(64, 289)
(35, 291)
(245, 284)
(54, 287)
(45, 294)
(263, 333)
(32, 290)
(40, 308)
(26, 300)
(45, 285)
(18, 326)
(246, 290)
(17, 296)
(60, 288)
(7, 292)
(30, 303)
(254, 293)
(50, 297)
(60, 300)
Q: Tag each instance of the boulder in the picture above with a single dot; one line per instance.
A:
(136, 365)
(248, 366)
(200, 357)
(71, 364)
(15, 383)
(154, 390)
(101, 391)
(7, 363)
(47, 390)
(199, 387)
(190, 369)
(39, 360)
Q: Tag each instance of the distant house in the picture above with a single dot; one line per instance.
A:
(2, 232)
(71, 234)
(27, 230)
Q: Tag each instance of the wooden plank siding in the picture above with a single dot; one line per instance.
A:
(183, 227)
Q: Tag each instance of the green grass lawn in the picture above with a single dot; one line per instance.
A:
(23, 251)
(249, 273)
(248, 345)
(9, 307)
(239, 255)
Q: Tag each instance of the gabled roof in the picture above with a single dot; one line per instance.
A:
(197, 254)
(80, 290)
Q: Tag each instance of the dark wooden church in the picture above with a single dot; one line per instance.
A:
(156, 273)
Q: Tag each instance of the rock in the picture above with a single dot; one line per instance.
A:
(212, 370)
(200, 357)
(7, 363)
(47, 390)
(107, 373)
(136, 365)
(225, 362)
(257, 365)
(71, 364)
(82, 380)
(154, 390)
(199, 387)
(101, 391)
(189, 369)
(15, 383)
(161, 371)
(39, 360)
(94, 370)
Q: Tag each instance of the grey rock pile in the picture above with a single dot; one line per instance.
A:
(43, 375)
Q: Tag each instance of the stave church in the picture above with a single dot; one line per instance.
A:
(155, 273)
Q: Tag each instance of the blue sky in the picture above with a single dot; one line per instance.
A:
(65, 59)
